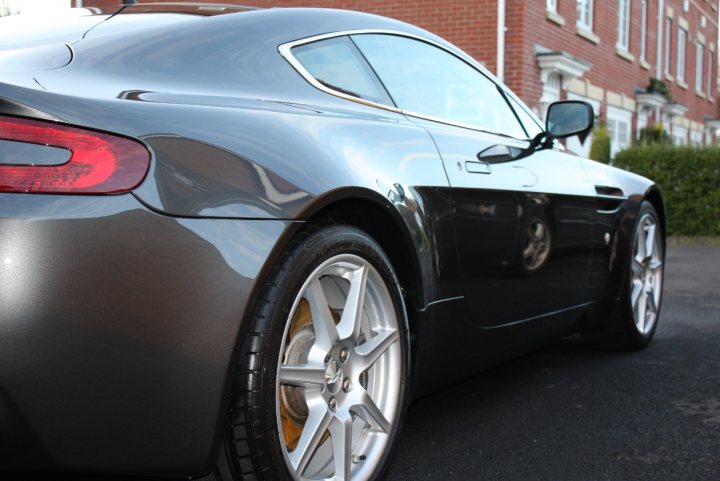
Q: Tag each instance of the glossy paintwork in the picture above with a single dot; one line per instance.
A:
(116, 327)
(493, 212)
(136, 301)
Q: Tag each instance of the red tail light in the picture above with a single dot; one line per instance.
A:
(99, 163)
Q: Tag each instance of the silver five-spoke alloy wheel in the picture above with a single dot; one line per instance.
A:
(647, 273)
(339, 373)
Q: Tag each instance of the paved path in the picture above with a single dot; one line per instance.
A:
(573, 413)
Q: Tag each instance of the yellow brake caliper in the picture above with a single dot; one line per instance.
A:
(293, 410)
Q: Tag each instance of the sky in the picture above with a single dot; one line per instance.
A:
(37, 6)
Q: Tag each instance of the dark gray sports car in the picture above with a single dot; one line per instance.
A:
(238, 246)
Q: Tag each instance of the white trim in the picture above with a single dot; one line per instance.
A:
(563, 64)
(643, 29)
(696, 138)
(650, 100)
(619, 123)
(710, 76)
(623, 25)
(679, 135)
(501, 40)
(641, 122)
(658, 50)
(681, 54)
(668, 44)
(585, 14)
(699, 65)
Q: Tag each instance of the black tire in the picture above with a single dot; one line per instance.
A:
(622, 331)
(253, 448)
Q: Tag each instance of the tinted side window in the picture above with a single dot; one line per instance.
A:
(337, 64)
(427, 80)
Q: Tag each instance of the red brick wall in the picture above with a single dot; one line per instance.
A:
(688, 97)
(609, 70)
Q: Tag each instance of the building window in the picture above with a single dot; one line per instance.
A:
(642, 122)
(551, 92)
(709, 76)
(696, 138)
(643, 31)
(668, 42)
(552, 6)
(585, 14)
(699, 60)
(682, 41)
(623, 26)
(619, 127)
(679, 135)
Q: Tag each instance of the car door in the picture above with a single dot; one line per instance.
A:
(524, 226)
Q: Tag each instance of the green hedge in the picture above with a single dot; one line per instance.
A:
(600, 149)
(689, 178)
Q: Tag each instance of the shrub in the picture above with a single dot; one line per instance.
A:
(654, 134)
(600, 147)
(689, 178)
(660, 87)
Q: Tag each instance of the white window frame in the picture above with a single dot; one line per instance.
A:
(619, 120)
(699, 64)
(551, 93)
(641, 123)
(623, 25)
(551, 6)
(668, 44)
(643, 30)
(585, 14)
(696, 138)
(682, 50)
(679, 135)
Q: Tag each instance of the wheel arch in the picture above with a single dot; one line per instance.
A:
(654, 196)
(383, 221)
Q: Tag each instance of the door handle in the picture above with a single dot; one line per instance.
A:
(475, 167)
(497, 154)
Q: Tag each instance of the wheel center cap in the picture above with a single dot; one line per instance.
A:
(333, 377)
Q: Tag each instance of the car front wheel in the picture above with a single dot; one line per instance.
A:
(636, 314)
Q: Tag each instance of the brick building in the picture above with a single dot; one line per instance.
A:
(603, 51)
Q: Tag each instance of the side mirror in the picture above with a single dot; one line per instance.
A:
(568, 118)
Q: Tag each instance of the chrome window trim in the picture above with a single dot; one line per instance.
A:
(285, 52)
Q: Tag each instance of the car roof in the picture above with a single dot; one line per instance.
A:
(205, 24)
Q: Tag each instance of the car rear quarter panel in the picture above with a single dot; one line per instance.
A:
(117, 325)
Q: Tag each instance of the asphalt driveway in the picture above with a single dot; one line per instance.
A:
(571, 412)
